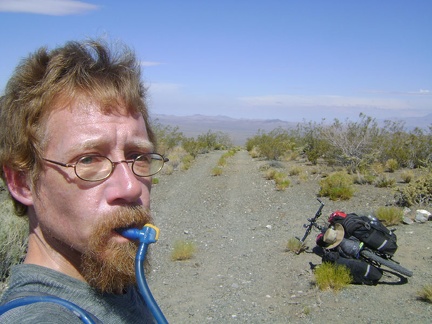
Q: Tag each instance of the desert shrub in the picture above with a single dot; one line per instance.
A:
(167, 169)
(216, 171)
(314, 170)
(363, 178)
(350, 144)
(270, 174)
(281, 181)
(295, 245)
(272, 145)
(392, 165)
(408, 148)
(407, 176)
(191, 146)
(13, 238)
(179, 158)
(291, 156)
(174, 160)
(167, 137)
(295, 170)
(213, 141)
(384, 181)
(425, 293)
(186, 162)
(282, 184)
(230, 153)
(332, 276)
(418, 192)
(222, 161)
(338, 185)
(377, 168)
(254, 152)
(183, 250)
(390, 215)
(303, 176)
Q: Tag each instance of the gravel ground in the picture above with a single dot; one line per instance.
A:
(241, 271)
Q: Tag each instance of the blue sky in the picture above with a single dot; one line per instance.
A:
(257, 59)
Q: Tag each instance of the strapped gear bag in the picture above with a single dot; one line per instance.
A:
(368, 230)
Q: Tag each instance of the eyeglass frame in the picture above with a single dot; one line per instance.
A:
(113, 165)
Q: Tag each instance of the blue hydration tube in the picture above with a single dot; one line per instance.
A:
(147, 235)
(22, 301)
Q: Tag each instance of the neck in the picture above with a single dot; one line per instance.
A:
(53, 255)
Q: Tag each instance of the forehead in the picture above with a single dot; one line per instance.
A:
(82, 122)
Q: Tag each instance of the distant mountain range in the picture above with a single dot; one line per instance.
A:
(241, 129)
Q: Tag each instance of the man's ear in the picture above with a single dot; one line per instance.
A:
(18, 185)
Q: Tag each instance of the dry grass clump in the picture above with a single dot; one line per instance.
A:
(392, 165)
(216, 171)
(222, 161)
(295, 170)
(425, 294)
(183, 250)
(407, 176)
(280, 178)
(337, 186)
(294, 245)
(390, 215)
(384, 181)
(363, 178)
(332, 276)
(186, 162)
(255, 153)
(377, 168)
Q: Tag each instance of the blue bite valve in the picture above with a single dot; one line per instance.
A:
(148, 234)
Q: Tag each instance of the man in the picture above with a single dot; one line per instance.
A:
(77, 155)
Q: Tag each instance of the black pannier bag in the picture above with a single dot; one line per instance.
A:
(369, 230)
(361, 271)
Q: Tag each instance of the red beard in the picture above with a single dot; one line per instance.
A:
(107, 265)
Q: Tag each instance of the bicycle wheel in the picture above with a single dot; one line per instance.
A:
(388, 263)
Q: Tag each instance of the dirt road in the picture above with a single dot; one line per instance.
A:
(241, 272)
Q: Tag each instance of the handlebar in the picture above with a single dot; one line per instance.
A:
(313, 222)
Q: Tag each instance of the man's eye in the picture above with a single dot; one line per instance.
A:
(134, 156)
(89, 159)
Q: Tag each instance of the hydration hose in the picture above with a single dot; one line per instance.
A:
(147, 235)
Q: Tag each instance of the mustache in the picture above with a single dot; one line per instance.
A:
(121, 218)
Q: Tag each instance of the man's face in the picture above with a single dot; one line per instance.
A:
(73, 214)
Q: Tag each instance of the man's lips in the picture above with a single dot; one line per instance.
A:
(128, 232)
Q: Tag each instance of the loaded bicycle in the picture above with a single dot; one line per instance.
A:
(337, 236)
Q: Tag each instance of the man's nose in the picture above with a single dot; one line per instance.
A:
(125, 185)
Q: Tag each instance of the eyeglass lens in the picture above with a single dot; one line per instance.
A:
(100, 167)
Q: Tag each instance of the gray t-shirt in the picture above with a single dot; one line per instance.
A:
(107, 308)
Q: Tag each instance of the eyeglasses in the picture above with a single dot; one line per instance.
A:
(97, 168)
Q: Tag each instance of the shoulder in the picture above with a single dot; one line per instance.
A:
(45, 312)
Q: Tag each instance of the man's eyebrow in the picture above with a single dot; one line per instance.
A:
(144, 145)
(98, 143)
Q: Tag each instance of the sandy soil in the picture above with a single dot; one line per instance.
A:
(241, 271)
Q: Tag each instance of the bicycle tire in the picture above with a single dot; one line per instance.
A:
(388, 263)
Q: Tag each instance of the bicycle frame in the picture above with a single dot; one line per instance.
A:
(312, 222)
